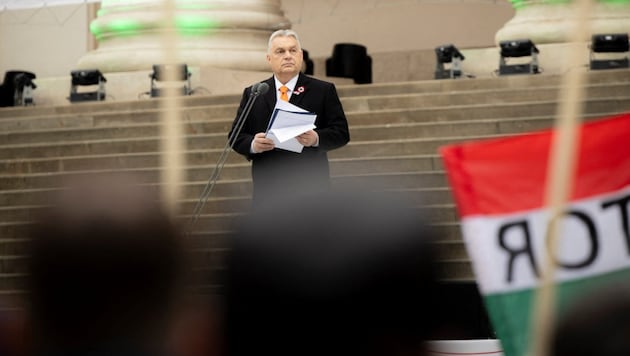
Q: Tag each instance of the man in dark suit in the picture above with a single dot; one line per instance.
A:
(278, 172)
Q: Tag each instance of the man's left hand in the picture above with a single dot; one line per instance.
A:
(309, 138)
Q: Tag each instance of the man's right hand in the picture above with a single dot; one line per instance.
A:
(261, 143)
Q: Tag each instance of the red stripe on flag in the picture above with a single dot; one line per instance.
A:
(508, 175)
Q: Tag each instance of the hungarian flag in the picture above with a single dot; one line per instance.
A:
(499, 189)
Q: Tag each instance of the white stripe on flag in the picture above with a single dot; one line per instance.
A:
(507, 250)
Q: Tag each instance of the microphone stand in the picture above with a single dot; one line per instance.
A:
(257, 89)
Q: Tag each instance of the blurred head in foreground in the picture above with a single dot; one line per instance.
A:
(104, 268)
(332, 274)
(597, 323)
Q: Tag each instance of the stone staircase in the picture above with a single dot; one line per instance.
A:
(396, 129)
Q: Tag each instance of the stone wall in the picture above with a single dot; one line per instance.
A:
(50, 41)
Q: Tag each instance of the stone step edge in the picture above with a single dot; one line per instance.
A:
(52, 189)
(209, 135)
(440, 86)
(215, 215)
(29, 222)
(349, 98)
(188, 201)
(357, 126)
(194, 151)
(117, 112)
(488, 105)
(452, 107)
(112, 106)
(446, 139)
(243, 164)
(196, 182)
(524, 80)
(558, 87)
(193, 136)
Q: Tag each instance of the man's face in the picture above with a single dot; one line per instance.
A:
(285, 57)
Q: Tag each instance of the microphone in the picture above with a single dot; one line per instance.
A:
(257, 89)
(260, 88)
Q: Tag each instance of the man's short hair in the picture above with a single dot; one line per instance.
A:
(283, 33)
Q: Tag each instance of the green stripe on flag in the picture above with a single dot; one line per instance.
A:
(510, 312)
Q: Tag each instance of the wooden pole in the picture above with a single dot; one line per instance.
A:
(560, 174)
(172, 145)
(92, 14)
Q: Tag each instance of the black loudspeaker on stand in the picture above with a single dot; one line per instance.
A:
(257, 90)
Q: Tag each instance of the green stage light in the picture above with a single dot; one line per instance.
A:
(193, 24)
(187, 23)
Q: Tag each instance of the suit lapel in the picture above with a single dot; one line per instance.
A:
(301, 89)
(270, 96)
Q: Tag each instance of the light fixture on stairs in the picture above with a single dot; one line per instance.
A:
(89, 78)
(609, 44)
(171, 77)
(17, 88)
(448, 54)
(518, 49)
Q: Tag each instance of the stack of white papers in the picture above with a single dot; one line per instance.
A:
(287, 122)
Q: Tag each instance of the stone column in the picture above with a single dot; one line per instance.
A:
(550, 21)
(226, 34)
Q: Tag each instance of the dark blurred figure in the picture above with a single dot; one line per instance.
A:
(104, 268)
(332, 274)
(597, 323)
(195, 332)
(12, 338)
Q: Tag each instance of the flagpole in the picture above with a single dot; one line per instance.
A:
(172, 143)
(561, 174)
